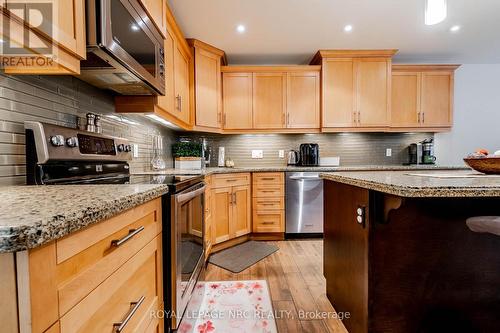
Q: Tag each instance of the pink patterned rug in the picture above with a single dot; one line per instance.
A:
(233, 307)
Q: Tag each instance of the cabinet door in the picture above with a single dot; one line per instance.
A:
(241, 217)
(437, 99)
(181, 82)
(303, 100)
(208, 88)
(269, 100)
(338, 93)
(68, 31)
(167, 102)
(222, 214)
(405, 105)
(237, 100)
(372, 84)
(157, 11)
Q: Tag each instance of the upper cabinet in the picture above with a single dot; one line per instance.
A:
(156, 9)
(207, 85)
(303, 99)
(237, 101)
(175, 106)
(422, 97)
(271, 98)
(356, 89)
(59, 43)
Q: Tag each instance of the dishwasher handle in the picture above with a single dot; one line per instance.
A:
(313, 178)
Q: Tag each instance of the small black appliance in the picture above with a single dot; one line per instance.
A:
(309, 154)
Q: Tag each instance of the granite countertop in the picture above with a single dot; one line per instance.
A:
(215, 170)
(35, 215)
(452, 183)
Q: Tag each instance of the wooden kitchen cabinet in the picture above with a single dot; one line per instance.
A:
(237, 101)
(303, 100)
(156, 9)
(209, 209)
(174, 106)
(269, 100)
(356, 89)
(277, 99)
(67, 37)
(207, 85)
(422, 97)
(232, 207)
(84, 282)
(268, 190)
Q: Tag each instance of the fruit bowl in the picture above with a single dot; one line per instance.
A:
(485, 164)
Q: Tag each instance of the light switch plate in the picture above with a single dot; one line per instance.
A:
(257, 154)
(135, 150)
(388, 152)
(281, 153)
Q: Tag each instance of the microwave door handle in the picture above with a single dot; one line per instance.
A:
(182, 198)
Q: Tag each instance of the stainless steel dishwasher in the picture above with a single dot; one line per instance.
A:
(304, 204)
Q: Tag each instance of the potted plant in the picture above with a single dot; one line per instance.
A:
(187, 155)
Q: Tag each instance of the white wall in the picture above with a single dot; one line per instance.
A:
(476, 117)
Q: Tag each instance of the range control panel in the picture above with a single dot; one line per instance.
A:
(55, 143)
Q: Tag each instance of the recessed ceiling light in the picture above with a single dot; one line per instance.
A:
(455, 28)
(435, 11)
(241, 28)
(348, 28)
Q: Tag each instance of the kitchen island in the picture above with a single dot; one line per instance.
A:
(399, 257)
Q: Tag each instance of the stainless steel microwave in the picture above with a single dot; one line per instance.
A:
(125, 50)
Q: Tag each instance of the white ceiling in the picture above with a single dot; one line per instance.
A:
(291, 31)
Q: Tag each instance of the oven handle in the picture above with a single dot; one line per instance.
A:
(182, 198)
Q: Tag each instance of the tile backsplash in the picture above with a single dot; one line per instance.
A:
(352, 148)
(60, 100)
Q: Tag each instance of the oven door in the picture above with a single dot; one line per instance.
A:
(128, 34)
(187, 245)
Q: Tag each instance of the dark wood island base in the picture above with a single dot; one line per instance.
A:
(404, 264)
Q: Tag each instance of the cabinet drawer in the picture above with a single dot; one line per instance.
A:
(234, 179)
(266, 191)
(107, 246)
(268, 178)
(134, 286)
(268, 221)
(276, 203)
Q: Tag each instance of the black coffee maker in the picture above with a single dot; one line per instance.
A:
(309, 154)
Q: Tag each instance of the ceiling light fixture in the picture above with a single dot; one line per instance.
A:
(241, 28)
(435, 11)
(348, 28)
(455, 28)
(134, 27)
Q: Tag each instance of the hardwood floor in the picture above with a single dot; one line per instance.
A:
(295, 277)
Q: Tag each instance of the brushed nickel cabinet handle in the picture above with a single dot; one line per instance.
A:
(423, 117)
(268, 178)
(134, 306)
(131, 233)
(359, 117)
(267, 222)
(418, 118)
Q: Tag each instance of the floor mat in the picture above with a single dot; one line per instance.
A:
(234, 307)
(240, 257)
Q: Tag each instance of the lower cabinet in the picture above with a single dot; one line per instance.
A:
(209, 207)
(231, 215)
(268, 202)
(106, 276)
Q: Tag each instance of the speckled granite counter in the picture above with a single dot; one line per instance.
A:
(35, 215)
(215, 170)
(402, 184)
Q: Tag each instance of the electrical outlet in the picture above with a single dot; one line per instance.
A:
(135, 150)
(388, 152)
(257, 154)
(281, 153)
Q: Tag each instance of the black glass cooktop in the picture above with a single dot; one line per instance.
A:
(176, 183)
